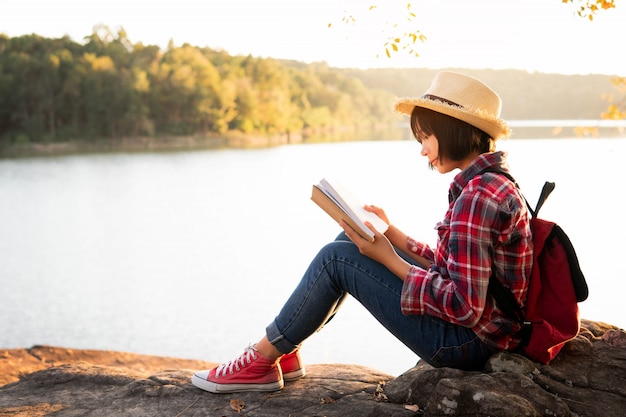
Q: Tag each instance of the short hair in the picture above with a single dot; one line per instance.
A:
(457, 139)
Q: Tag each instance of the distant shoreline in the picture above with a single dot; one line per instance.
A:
(142, 144)
(522, 129)
(230, 140)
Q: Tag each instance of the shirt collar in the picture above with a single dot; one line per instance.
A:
(493, 160)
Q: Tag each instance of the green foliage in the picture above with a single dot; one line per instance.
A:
(54, 90)
(108, 88)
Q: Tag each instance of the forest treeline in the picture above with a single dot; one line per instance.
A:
(55, 90)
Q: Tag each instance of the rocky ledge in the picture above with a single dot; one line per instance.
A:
(588, 378)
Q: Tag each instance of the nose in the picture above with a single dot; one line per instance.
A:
(424, 150)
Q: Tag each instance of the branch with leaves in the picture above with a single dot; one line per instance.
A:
(589, 8)
(401, 36)
(406, 40)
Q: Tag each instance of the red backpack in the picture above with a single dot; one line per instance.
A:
(555, 288)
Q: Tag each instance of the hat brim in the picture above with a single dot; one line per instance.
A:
(496, 128)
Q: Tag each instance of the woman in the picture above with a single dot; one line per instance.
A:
(434, 300)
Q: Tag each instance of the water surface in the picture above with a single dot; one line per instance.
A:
(191, 254)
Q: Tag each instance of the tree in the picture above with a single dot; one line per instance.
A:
(185, 93)
(34, 84)
(271, 82)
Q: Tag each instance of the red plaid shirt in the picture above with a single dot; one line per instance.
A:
(486, 228)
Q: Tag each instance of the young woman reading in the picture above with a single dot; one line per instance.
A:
(434, 300)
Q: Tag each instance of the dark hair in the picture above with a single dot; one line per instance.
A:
(457, 139)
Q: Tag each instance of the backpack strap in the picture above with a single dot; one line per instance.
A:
(547, 189)
(505, 300)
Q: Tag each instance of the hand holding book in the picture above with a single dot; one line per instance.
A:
(339, 204)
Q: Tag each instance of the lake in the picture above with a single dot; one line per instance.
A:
(191, 254)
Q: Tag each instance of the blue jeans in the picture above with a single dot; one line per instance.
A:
(340, 269)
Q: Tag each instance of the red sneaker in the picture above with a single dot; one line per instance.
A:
(292, 366)
(249, 372)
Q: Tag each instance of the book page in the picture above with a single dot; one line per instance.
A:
(352, 206)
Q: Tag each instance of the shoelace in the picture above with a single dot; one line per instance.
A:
(245, 358)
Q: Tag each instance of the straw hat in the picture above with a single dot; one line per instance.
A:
(462, 97)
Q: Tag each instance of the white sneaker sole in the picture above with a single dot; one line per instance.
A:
(294, 375)
(227, 388)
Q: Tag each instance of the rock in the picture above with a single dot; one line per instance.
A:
(586, 379)
(19, 362)
(83, 389)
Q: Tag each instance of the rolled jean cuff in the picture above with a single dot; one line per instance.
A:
(277, 339)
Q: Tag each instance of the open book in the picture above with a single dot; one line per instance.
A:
(339, 204)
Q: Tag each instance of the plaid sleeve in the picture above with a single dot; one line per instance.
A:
(455, 287)
(419, 248)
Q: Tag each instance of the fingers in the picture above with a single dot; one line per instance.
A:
(353, 235)
(350, 232)
(371, 227)
(377, 211)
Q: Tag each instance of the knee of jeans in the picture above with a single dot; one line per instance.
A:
(335, 249)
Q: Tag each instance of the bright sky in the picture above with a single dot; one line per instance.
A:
(535, 35)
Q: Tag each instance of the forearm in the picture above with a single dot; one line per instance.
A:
(398, 266)
(399, 240)
(396, 236)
